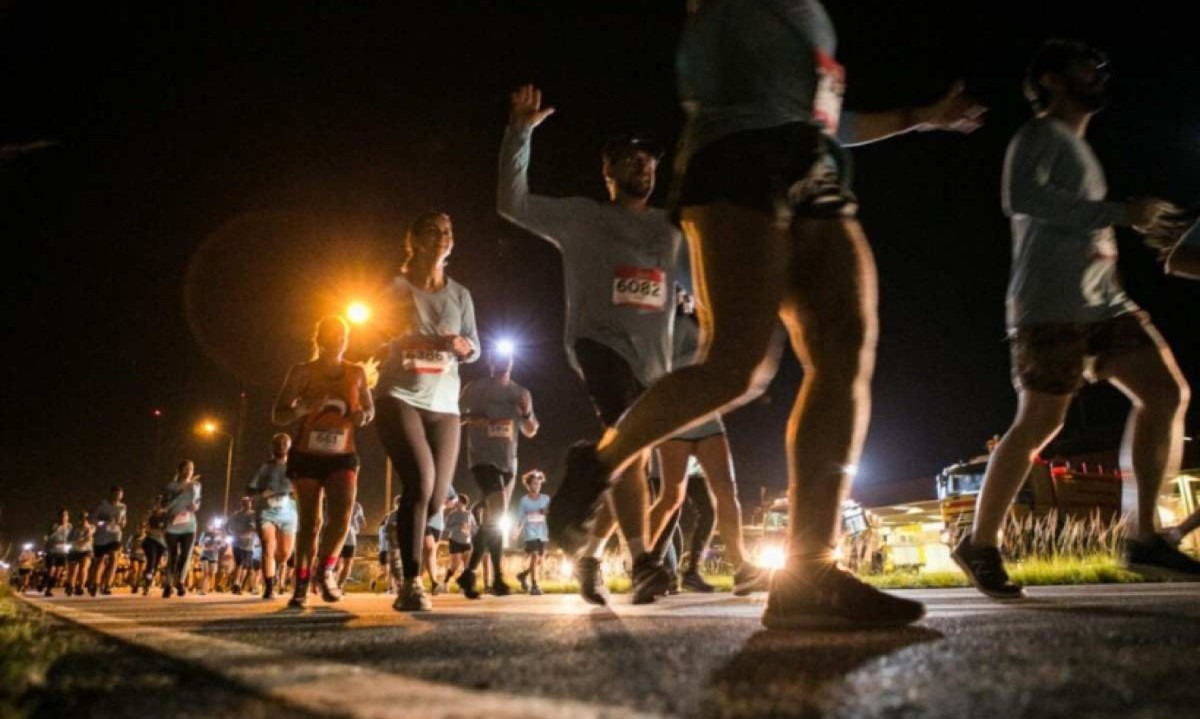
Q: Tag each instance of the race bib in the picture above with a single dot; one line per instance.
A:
(181, 518)
(500, 429)
(276, 501)
(426, 361)
(831, 86)
(535, 518)
(327, 441)
(643, 288)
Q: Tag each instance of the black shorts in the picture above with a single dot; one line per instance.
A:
(793, 170)
(103, 550)
(459, 547)
(492, 480)
(243, 557)
(74, 556)
(1057, 358)
(433, 532)
(348, 551)
(56, 560)
(383, 559)
(535, 546)
(610, 380)
(303, 465)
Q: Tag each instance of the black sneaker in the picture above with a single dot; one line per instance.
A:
(269, 589)
(166, 591)
(91, 590)
(106, 592)
(523, 578)
(466, 584)
(535, 591)
(693, 582)
(749, 579)
(830, 598)
(650, 579)
(180, 590)
(328, 586)
(299, 598)
(48, 592)
(235, 589)
(591, 581)
(1159, 560)
(579, 497)
(500, 588)
(984, 567)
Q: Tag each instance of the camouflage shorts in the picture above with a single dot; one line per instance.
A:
(1058, 357)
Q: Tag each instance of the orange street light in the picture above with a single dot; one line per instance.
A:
(358, 313)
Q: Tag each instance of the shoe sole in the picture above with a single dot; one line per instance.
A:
(745, 589)
(656, 585)
(827, 621)
(980, 588)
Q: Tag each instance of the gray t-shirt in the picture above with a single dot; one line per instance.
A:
(241, 526)
(460, 526)
(183, 501)
(1064, 260)
(271, 477)
(109, 519)
(687, 342)
(756, 65)
(494, 443)
(620, 267)
(420, 368)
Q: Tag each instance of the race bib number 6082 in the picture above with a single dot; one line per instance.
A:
(641, 287)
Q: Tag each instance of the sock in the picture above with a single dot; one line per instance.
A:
(303, 573)
(329, 562)
(594, 547)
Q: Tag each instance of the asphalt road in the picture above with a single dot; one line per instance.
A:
(1097, 651)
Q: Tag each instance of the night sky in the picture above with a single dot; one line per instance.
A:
(222, 176)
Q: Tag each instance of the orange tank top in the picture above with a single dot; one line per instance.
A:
(329, 430)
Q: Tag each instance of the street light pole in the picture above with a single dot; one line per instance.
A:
(228, 474)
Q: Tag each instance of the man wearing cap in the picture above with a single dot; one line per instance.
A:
(494, 409)
(622, 260)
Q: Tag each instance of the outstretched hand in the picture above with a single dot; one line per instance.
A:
(956, 111)
(525, 108)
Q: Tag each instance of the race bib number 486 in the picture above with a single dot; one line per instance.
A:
(644, 288)
(426, 361)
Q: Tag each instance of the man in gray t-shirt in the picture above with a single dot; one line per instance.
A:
(110, 518)
(1069, 317)
(622, 260)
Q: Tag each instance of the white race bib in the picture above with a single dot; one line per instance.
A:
(831, 86)
(426, 361)
(181, 518)
(535, 518)
(327, 441)
(644, 288)
(500, 429)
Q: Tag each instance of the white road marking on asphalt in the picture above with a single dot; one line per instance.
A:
(327, 686)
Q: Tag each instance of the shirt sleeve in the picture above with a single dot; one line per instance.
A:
(551, 218)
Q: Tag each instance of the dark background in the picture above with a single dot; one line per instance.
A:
(222, 176)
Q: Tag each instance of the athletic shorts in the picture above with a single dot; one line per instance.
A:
(242, 557)
(348, 551)
(790, 171)
(103, 550)
(535, 546)
(208, 560)
(56, 560)
(383, 559)
(303, 465)
(492, 480)
(433, 532)
(459, 547)
(74, 556)
(283, 517)
(610, 381)
(1058, 358)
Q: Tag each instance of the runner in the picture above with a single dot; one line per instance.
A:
(1069, 320)
(460, 528)
(433, 331)
(79, 556)
(346, 558)
(155, 543)
(110, 516)
(242, 529)
(387, 529)
(495, 409)
(212, 546)
(137, 557)
(763, 200)
(26, 562)
(531, 528)
(434, 529)
(182, 501)
(326, 398)
(622, 260)
(57, 547)
(275, 513)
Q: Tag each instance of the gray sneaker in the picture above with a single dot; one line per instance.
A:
(591, 581)
(413, 598)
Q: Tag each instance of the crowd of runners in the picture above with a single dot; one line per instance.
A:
(672, 319)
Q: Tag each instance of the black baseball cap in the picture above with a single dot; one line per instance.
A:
(619, 146)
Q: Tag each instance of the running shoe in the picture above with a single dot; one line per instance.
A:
(328, 586)
(535, 591)
(466, 583)
(650, 579)
(590, 576)
(299, 598)
(693, 582)
(413, 598)
(749, 579)
(500, 588)
(985, 568)
(1159, 560)
(523, 578)
(579, 497)
(827, 597)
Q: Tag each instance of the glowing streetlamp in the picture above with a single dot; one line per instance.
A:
(211, 428)
(358, 313)
(506, 347)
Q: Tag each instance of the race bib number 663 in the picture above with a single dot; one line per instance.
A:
(643, 288)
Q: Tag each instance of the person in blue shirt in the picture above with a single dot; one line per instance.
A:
(531, 528)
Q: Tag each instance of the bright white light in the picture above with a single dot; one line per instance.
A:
(851, 470)
(770, 556)
(566, 570)
(217, 523)
(506, 347)
(27, 546)
(505, 524)
(358, 313)
(3, 565)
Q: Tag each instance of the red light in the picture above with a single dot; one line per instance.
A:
(158, 413)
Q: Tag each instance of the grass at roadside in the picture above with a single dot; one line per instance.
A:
(28, 647)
